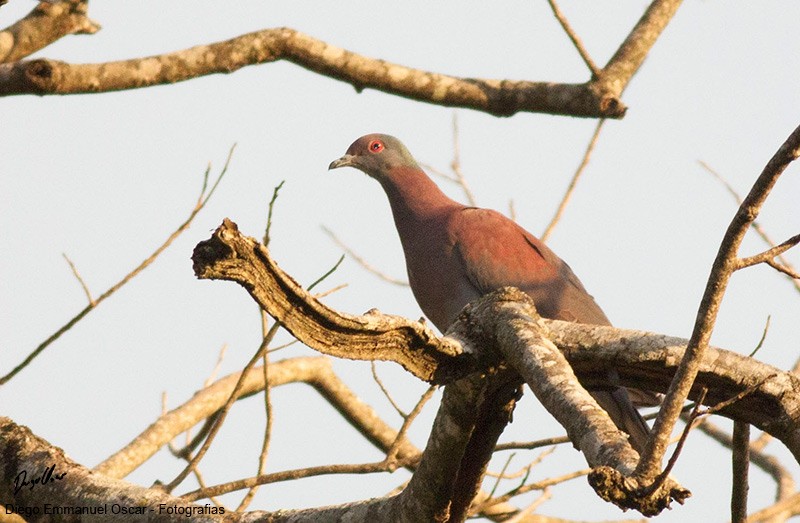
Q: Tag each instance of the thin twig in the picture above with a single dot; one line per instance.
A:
(218, 365)
(222, 413)
(361, 261)
(512, 445)
(769, 255)
(756, 226)
(576, 41)
(394, 450)
(526, 469)
(269, 212)
(201, 202)
(763, 337)
(512, 210)
(539, 485)
(289, 475)
(457, 177)
(330, 291)
(769, 464)
(385, 391)
(455, 165)
(791, 273)
(80, 279)
(328, 273)
(524, 513)
(662, 477)
(191, 443)
(501, 474)
(262, 457)
(727, 403)
(575, 177)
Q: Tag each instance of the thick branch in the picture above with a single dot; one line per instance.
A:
(26, 457)
(44, 25)
(630, 56)
(316, 372)
(229, 255)
(497, 97)
(509, 317)
(643, 360)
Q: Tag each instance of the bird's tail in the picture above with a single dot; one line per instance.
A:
(618, 404)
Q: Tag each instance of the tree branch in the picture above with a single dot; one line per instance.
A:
(643, 360)
(721, 271)
(46, 23)
(26, 457)
(598, 98)
(315, 371)
(769, 256)
(374, 336)
(630, 56)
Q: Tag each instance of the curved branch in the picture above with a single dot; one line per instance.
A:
(230, 256)
(67, 485)
(643, 360)
(497, 97)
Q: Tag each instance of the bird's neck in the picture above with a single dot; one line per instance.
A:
(414, 197)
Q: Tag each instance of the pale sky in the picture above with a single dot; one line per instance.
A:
(105, 178)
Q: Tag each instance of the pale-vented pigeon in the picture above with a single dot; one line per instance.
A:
(455, 254)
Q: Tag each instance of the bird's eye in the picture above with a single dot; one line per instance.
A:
(375, 146)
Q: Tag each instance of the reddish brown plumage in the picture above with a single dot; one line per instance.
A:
(456, 253)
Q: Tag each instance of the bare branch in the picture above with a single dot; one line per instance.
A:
(455, 165)
(741, 460)
(48, 22)
(513, 445)
(385, 391)
(618, 72)
(497, 97)
(769, 255)
(575, 177)
(576, 41)
(73, 485)
(361, 261)
(721, 271)
(643, 360)
(315, 371)
(201, 202)
(785, 266)
(80, 279)
(768, 463)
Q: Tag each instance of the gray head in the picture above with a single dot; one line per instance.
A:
(376, 155)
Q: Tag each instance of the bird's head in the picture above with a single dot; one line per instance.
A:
(376, 155)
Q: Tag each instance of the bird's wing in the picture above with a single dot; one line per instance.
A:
(496, 252)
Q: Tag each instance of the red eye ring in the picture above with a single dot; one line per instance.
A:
(375, 146)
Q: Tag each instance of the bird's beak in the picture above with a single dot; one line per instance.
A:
(345, 161)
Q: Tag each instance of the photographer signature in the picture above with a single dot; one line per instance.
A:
(49, 476)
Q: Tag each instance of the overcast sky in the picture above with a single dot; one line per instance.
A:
(105, 178)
